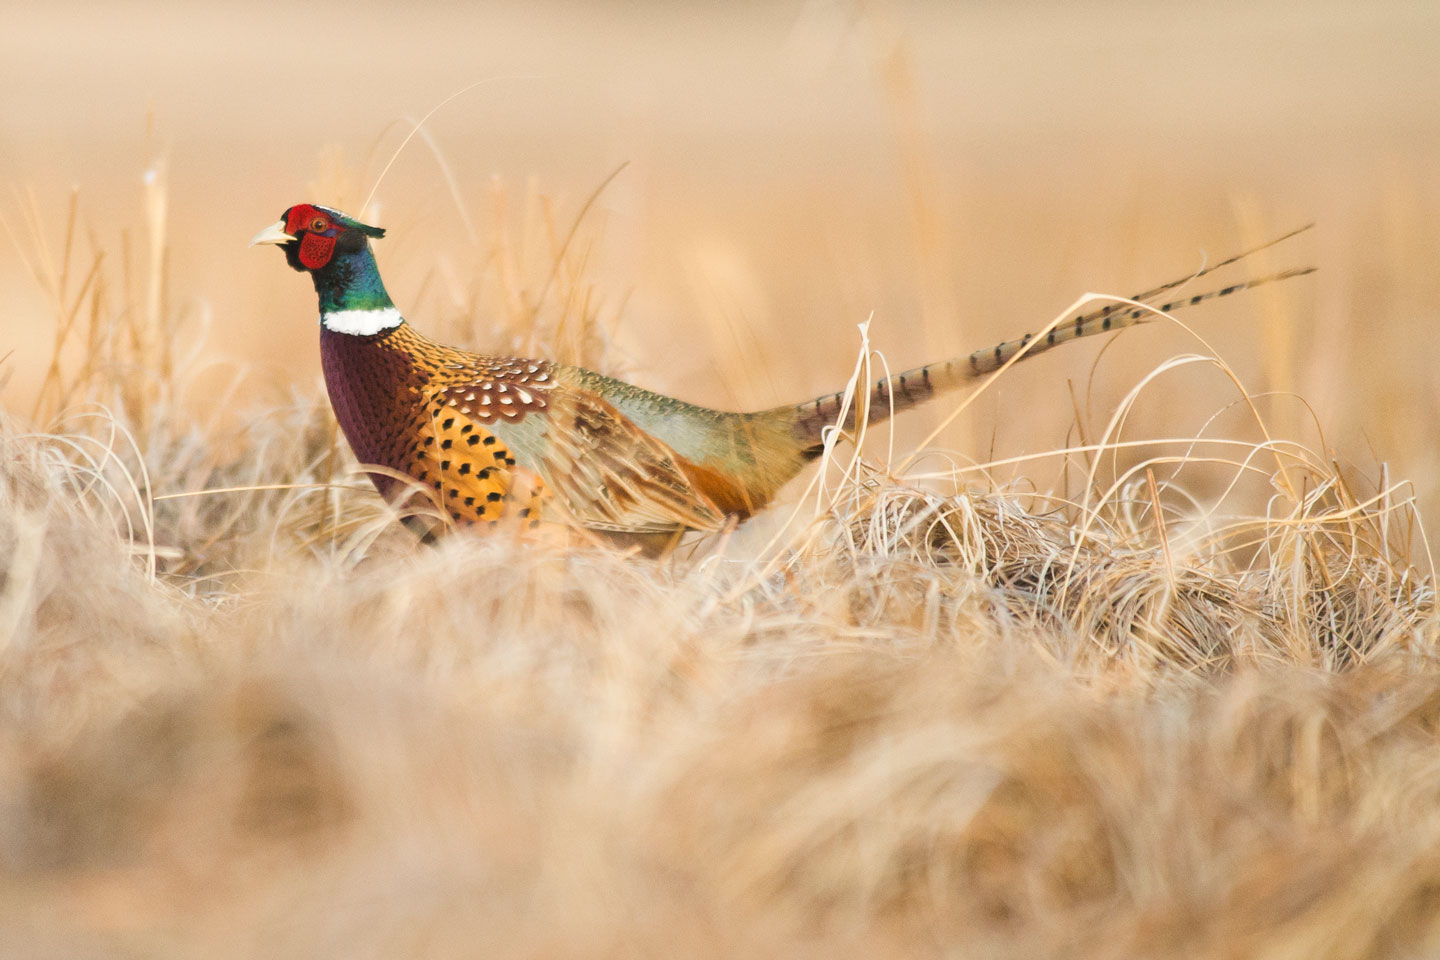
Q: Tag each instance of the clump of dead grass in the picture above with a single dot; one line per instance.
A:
(247, 713)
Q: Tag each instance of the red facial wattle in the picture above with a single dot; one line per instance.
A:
(316, 249)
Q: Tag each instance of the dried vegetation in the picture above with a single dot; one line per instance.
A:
(246, 714)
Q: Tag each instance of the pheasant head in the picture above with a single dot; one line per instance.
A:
(334, 249)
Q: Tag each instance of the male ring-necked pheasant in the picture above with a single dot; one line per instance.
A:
(504, 436)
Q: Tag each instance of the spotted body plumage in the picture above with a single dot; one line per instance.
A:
(489, 439)
(492, 437)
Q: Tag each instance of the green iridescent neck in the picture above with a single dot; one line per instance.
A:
(351, 281)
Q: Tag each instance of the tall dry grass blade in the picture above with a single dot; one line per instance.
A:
(415, 129)
(559, 256)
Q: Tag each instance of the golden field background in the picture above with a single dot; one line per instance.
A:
(1004, 711)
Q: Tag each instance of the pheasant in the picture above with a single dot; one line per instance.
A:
(501, 437)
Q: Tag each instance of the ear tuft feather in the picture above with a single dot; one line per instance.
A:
(349, 222)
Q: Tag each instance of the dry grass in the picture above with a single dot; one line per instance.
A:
(920, 712)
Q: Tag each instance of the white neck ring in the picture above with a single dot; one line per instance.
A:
(362, 323)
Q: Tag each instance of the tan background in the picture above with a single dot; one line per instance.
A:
(960, 171)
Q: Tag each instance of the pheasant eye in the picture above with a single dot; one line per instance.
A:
(318, 225)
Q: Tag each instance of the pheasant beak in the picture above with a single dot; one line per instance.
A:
(275, 233)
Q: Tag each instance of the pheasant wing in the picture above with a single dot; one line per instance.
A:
(576, 450)
(611, 475)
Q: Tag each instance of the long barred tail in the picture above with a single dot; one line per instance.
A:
(902, 391)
